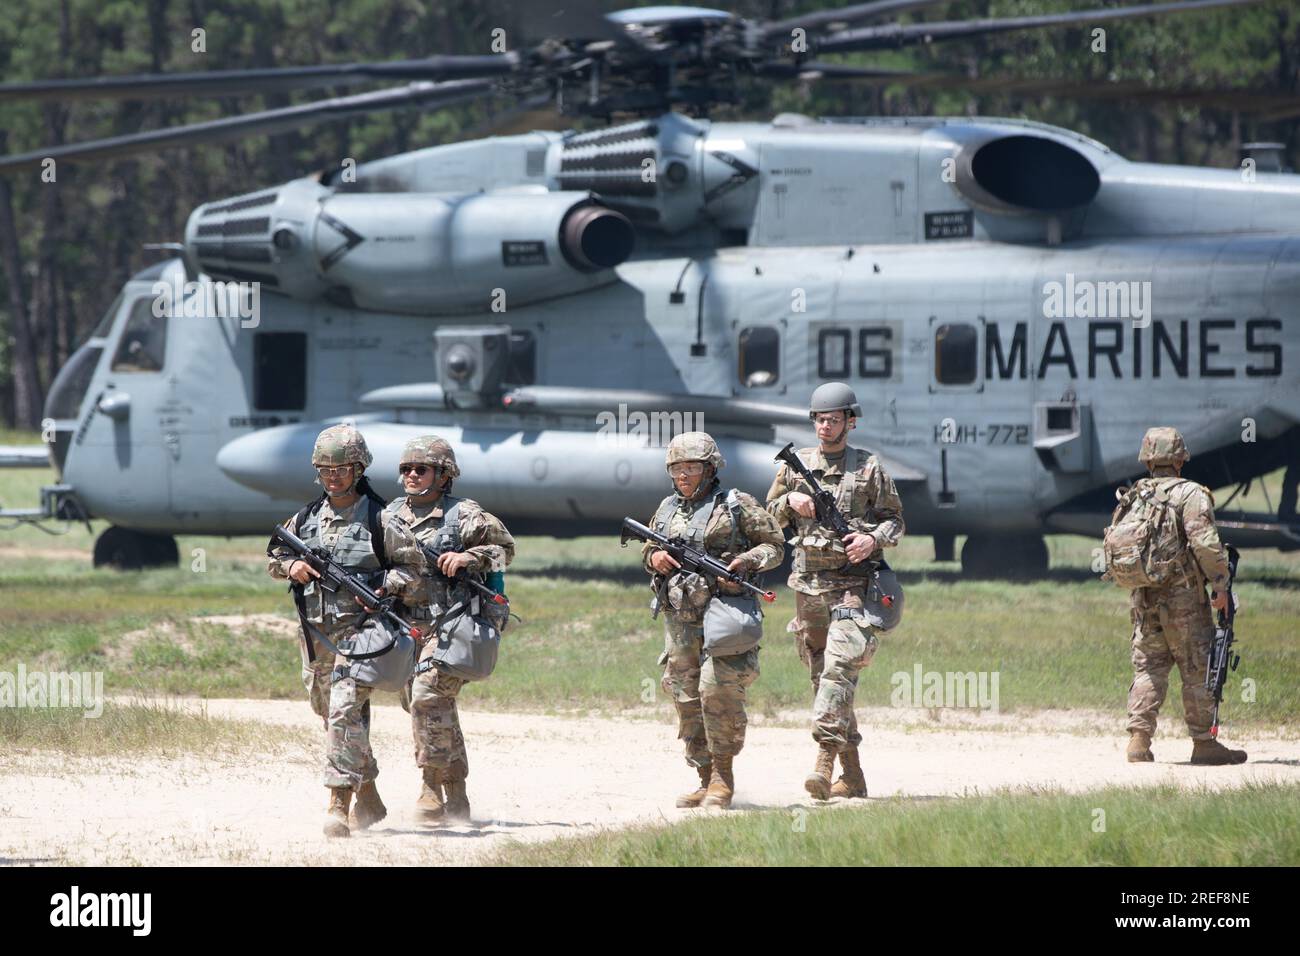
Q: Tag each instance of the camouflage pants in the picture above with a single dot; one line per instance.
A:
(1171, 626)
(316, 675)
(709, 692)
(834, 651)
(349, 761)
(435, 725)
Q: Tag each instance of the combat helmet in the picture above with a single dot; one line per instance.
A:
(834, 397)
(341, 445)
(1163, 446)
(431, 450)
(694, 446)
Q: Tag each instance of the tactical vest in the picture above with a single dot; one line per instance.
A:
(818, 548)
(441, 540)
(699, 523)
(358, 547)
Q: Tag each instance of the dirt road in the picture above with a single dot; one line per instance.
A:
(532, 778)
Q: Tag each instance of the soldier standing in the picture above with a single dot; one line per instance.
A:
(831, 633)
(466, 538)
(708, 691)
(347, 521)
(1173, 623)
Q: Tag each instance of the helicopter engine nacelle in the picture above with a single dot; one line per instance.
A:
(422, 253)
(1025, 175)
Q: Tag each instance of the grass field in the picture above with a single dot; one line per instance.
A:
(587, 640)
(1258, 825)
(141, 727)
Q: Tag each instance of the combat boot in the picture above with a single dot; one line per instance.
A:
(453, 784)
(696, 797)
(818, 783)
(722, 785)
(367, 809)
(336, 820)
(430, 807)
(851, 783)
(1213, 754)
(1139, 748)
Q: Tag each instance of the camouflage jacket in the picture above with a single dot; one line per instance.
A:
(482, 535)
(865, 495)
(760, 543)
(1207, 558)
(345, 534)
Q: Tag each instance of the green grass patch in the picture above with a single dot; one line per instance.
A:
(1257, 825)
(139, 728)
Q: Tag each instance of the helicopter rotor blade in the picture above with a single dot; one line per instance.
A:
(275, 79)
(1242, 99)
(268, 121)
(908, 34)
(863, 11)
(830, 72)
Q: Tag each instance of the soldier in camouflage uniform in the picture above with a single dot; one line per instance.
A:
(344, 521)
(1174, 625)
(467, 537)
(709, 692)
(831, 634)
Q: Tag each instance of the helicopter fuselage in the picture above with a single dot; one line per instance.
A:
(1010, 341)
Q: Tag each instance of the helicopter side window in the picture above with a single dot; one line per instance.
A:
(144, 340)
(280, 371)
(954, 353)
(760, 356)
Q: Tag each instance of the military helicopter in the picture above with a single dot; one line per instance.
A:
(1013, 302)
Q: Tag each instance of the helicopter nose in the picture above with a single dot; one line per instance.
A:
(270, 459)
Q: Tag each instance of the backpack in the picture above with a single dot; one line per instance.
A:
(1145, 545)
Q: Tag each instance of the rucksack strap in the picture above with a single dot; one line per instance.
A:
(737, 533)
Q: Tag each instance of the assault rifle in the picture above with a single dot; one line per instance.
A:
(496, 597)
(334, 576)
(691, 559)
(830, 516)
(1222, 657)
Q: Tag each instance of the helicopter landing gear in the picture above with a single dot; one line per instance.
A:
(1004, 556)
(129, 550)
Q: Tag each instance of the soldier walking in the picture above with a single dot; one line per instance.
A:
(707, 689)
(832, 634)
(465, 538)
(1173, 623)
(349, 522)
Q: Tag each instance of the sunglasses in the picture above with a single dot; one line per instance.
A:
(417, 470)
(333, 471)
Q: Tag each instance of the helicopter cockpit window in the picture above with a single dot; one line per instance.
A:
(105, 324)
(760, 356)
(280, 371)
(144, 340)
(954, 353)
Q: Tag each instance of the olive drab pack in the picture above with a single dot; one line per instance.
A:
(377, 655)
(467, 629)
(1145, 545)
